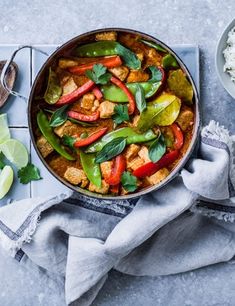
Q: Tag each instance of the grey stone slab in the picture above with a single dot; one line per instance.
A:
(197, 22)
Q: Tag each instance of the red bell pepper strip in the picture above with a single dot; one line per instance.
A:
(179, 136)
(82, 117)
(114, 188)
(97, 92)
(108, 62)
(118, 168)
(77, 93)
(120, 84)
(163, 74)
(90, 139)
(150, 168)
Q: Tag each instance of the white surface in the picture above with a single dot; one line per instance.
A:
(224, 77)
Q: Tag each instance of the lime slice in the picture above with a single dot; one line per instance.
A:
(4, 130)
(15, 152)
(6, 180)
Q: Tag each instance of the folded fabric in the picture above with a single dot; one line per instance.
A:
(76, 240)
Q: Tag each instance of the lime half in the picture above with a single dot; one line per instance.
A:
(4, 130)
(15, 152)
(6, 180)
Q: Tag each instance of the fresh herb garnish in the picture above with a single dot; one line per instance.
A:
(28, 174)
(111, 149)
(153, 45)
(140, 98)
(69, 141)
(98, 74)
(129, 57)
(156, 74)
(59, 117)
(129, 181)
(120, 114)
(53, 91)
(157, 149)
(2, 163)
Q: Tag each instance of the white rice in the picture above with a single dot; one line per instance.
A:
(229, 55)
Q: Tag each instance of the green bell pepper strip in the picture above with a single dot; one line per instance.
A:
(91, 168)
(106, 48)
(129, 133)
(115, 94)
(168, 61)
(47, 132)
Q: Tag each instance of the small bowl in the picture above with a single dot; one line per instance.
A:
(224, 77)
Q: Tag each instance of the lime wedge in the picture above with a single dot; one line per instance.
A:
(15, 152)
(6, 180)
(4, 130)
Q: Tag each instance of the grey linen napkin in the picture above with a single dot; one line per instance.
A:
(76, 241)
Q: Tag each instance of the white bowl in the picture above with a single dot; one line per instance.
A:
(220, 61)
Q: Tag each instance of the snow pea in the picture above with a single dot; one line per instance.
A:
(115, 94)
(54, 90)
(91, 168)
(129, 133)
(47, 132)
(106, 48)
(168, 61)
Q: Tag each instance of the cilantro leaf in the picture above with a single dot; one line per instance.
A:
(28, 174)
(98, 74)
(140, 98)
(69, 141)
(129, 181)
(2, 163)
(120, 114)
(156, 74)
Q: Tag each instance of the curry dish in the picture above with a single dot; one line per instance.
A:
(115, 114)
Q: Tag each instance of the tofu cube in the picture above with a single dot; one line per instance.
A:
(63, 129)
(135, 163)
(144, 154)
(65, 63)
(106, 109)
(120, 72)
(132, 151)
(88, 101)
(135, 121)
(106, 36)
(103, 189)
(69, 86)
(106, 168)
(44, 147)
(157, 177)
(137, 76)
(95, 105)
(76, 176)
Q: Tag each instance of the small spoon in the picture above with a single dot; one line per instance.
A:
(10, 80)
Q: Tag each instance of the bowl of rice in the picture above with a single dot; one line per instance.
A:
(225, 58)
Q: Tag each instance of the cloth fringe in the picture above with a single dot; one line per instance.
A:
(215, 131)
(12, 246)
(220, 215)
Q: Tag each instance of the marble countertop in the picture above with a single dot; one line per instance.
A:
(174, 22)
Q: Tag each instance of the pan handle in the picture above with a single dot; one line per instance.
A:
(8, 64)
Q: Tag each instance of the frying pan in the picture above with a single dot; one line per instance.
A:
(39, 84)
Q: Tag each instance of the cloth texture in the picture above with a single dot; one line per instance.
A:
(185, 225)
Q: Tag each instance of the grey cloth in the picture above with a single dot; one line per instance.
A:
(76, 241)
